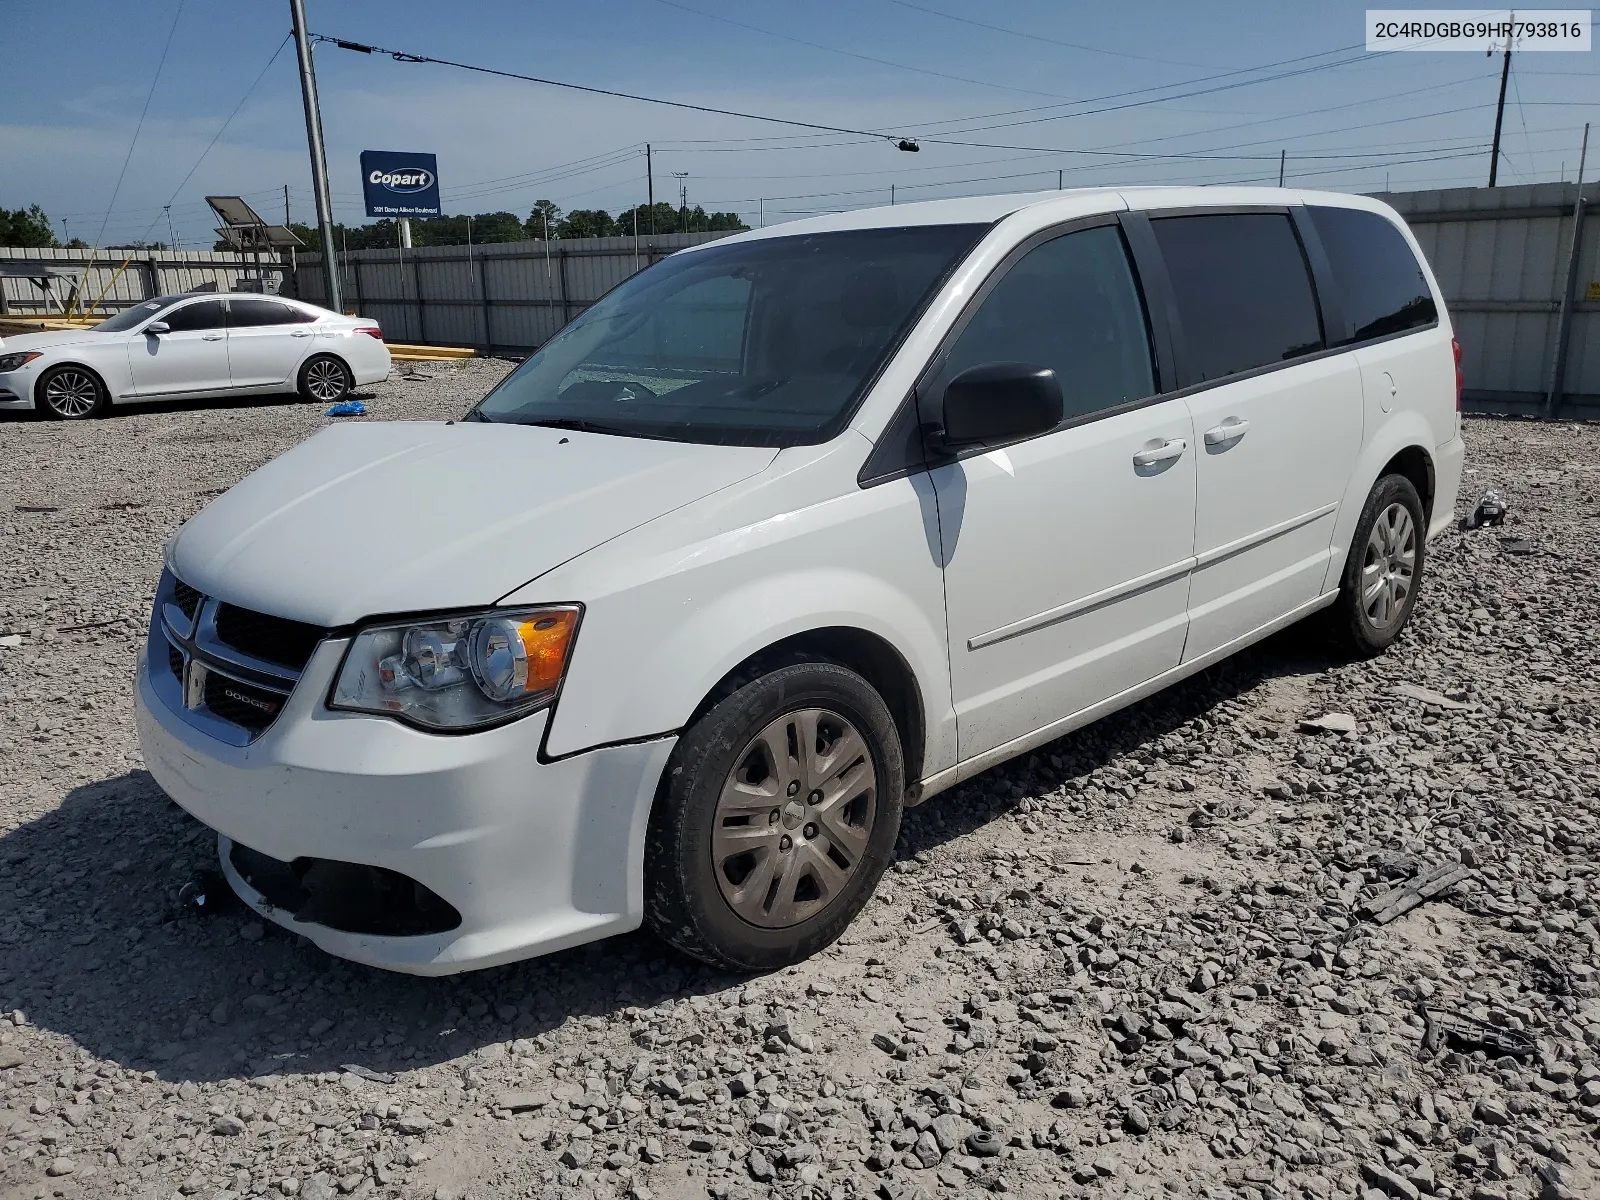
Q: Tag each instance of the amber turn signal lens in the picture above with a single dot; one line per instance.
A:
(546, 639)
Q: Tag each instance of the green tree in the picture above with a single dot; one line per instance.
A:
(586, 222)
(660, 217)
(546, 214)
(26, 227)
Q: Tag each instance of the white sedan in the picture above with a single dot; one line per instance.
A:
(197, 346)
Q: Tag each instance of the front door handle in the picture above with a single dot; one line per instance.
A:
(1157, 452)
(211, 337)
(301, 333)
(1231, 430)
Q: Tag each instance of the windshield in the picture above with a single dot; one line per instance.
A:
(769, 342)
(130, 318)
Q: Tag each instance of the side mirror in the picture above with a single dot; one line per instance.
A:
(998, 402)
(157, 327)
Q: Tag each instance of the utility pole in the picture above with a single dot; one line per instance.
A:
(1499, 114)
(891, 195)
(1061, 176)
(650, 187)
(319, 159)
(683, 198)
(1283, 157)
(1569, 296)
(286, 206)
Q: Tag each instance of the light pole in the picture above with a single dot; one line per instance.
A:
(319, 159)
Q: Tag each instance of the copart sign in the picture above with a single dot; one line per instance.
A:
(398, 184)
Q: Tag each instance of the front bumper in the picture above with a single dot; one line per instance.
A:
(535, 856)
(16, 390)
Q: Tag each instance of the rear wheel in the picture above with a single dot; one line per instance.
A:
(778, 816)
(1383, 570)
(325, 380)
(70, 393)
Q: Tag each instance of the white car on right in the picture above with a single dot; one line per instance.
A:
(790, 531)
(200, 345)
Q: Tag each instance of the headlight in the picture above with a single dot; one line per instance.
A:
(459, 672)
(15, 362)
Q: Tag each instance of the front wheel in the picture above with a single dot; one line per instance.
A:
(1383, 570)
(777, 817)
(71, 393)
(325, 380)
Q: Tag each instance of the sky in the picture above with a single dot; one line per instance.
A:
(1001, 96)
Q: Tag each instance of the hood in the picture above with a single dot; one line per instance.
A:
(362, 520)
(50, 339)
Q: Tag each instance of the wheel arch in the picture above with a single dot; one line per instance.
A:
(1402, 445)
(867, 654)
(100, 378)
(350, 372)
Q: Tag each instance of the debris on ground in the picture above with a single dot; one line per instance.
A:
(1490, 509)
(1219, 1024)
(348, 408)
(1333, 722)
(1397, 901)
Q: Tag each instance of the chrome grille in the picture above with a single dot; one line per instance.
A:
(232, 670)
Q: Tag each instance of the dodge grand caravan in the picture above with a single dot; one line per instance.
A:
(787, 533)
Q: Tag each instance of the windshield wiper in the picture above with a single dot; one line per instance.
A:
(580, 425)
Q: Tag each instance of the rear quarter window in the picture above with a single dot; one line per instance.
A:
(1379, 279)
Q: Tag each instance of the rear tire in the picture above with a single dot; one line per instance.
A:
(325, 379)
(1382, 571)
(776, 818)
(70, 393)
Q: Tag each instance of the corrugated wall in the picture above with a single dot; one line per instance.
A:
(1501, 256)
(505, 295)
(125, 280)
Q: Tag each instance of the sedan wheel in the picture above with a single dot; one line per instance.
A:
(71, 393)
(324, 380)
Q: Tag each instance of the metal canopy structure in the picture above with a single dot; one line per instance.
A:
(43, 276)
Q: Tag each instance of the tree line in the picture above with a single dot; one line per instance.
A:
(546, 219)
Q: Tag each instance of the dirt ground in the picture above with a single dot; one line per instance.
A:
(1134, 961)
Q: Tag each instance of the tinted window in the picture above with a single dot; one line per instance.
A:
(1070, 304)
(1383, 288)
(247, 311)
(298, 316)
(202, 314)
(1242, 288)
(767, 342)
(129, 318)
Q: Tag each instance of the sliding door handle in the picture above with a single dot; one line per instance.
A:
(1156, 452)
(1230, 431)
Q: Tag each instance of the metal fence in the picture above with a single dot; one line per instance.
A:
(1505, 260)
(120, 278)
(502, 296)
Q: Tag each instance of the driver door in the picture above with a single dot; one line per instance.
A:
(1067, 556)
(192, 356)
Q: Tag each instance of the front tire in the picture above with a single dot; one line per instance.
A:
(325, 380)
(70, 393)
(1382, 571)
(777, 816)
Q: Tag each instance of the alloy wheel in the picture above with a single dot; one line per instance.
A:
(325, 379)
(71, 393)
(794, 818)
(1389, 569)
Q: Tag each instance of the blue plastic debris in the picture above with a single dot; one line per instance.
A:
(348, 408)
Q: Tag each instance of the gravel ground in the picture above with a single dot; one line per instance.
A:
(1133, 962)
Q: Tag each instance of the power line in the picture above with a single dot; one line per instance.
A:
(216, 137)
(404, 56)
(160, 63)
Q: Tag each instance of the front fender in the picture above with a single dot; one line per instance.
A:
(674, 606)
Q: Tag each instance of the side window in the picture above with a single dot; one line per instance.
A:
(297, 316)
(1070, 304)
(1242, 288)
(1383, 287)
(203, 314)
(245, 311)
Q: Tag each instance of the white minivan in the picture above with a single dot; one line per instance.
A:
(787, 533)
